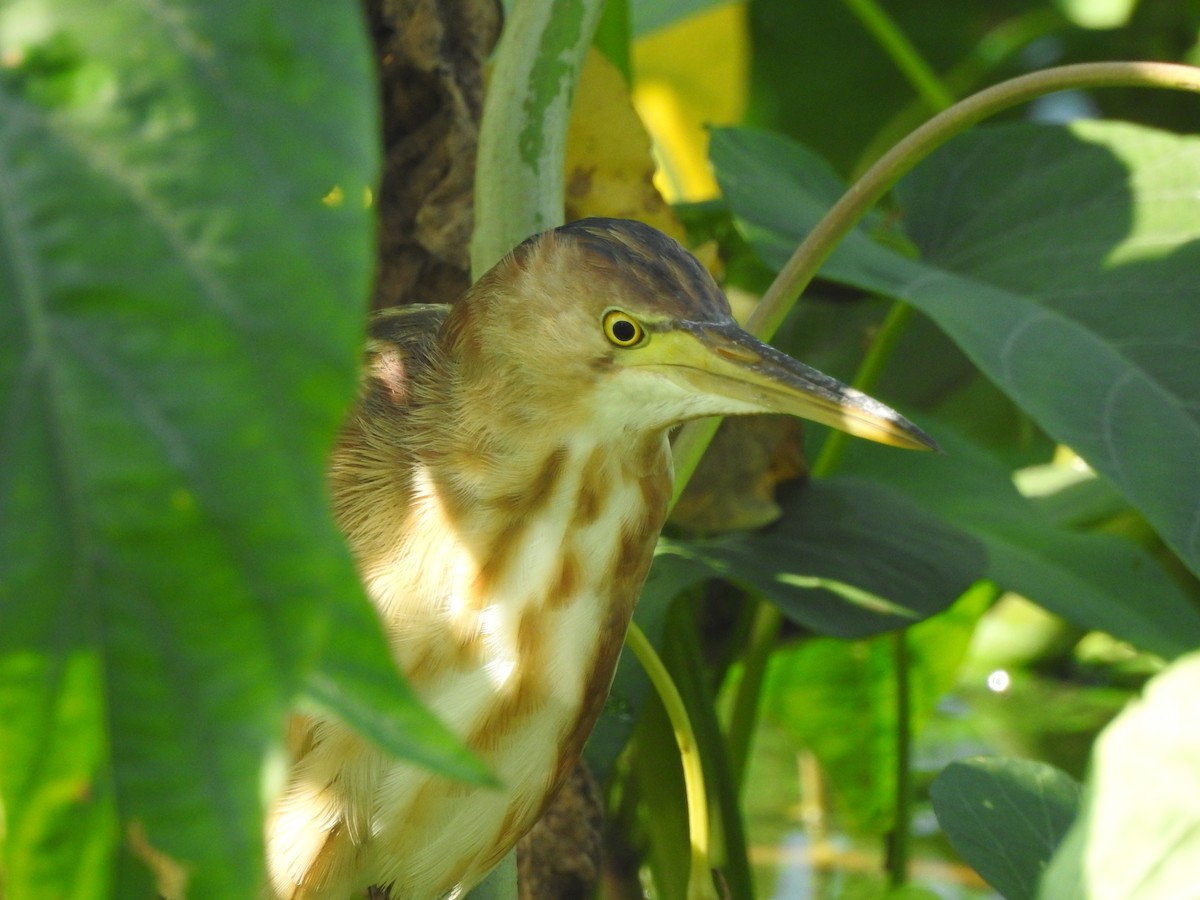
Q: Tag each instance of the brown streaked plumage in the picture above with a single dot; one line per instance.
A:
(501, 483)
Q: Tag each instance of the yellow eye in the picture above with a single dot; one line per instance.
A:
(622, 329)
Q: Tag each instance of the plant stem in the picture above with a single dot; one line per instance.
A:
(764, 631)
(519, 171)
(684, 657)
(897, 45)
(898, 842)
(699, 880)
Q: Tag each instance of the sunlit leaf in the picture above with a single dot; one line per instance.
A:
(1138, 836)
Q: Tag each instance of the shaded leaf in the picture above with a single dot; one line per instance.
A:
(1138, 836)
(798, 45)
(1005, 817)
(848, 558)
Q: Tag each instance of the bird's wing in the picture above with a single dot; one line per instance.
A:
(400, 343)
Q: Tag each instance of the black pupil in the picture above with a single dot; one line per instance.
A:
(624, 330)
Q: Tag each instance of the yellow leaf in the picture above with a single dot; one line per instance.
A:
(688, 76)
(610, 168)
(609, 163)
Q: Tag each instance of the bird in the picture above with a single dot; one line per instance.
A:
(501, 482)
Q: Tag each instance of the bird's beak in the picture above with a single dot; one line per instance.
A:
(723, 361)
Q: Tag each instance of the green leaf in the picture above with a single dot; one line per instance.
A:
(1060, 260)
(1097, 581)
(779, 190)
(838, 698)
(184, 260)
(847, 558)
(1138, 836)
(1006, 817)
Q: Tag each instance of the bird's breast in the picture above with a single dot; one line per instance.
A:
(507, 616)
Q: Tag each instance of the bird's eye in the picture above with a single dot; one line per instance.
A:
(622, 329)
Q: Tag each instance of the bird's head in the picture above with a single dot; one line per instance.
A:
(613, 320)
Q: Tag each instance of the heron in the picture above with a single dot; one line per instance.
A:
(501, 482)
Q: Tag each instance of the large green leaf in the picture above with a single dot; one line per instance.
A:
(1095, 580)
(350, 682)
(1138, 836)
(1061, 260)
(1006, 817)
(179, 326)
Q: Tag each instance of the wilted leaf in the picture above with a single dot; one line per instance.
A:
(609, 167)
(733, 489)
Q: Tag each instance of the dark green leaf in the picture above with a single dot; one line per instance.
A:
(1005, 817)
(779, 190)
(798, 47)
(847, 558)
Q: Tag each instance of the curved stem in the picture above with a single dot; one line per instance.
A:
(879, 178)
(689, 754)
(899, 840)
